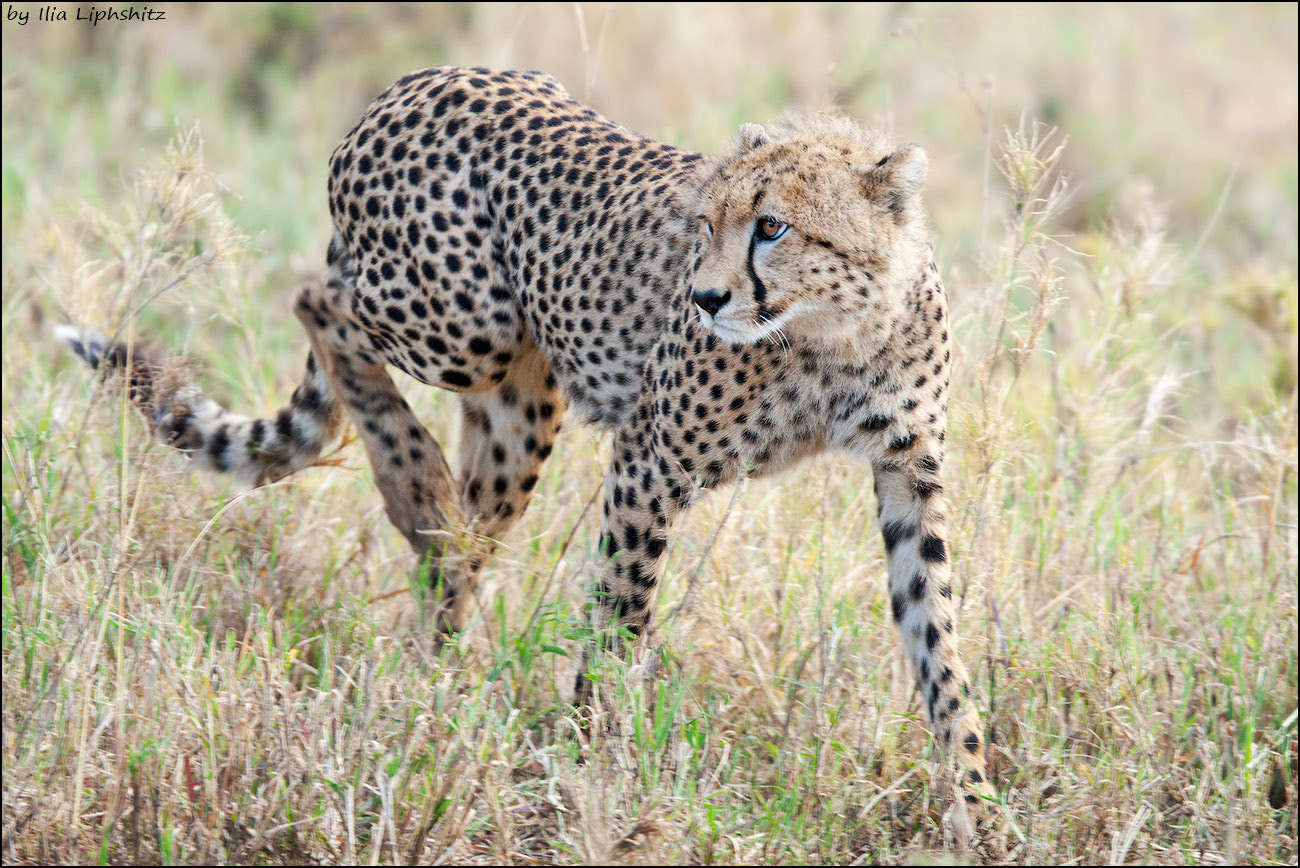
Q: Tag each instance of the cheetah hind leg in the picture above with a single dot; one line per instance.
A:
(506, 435)
(420, 493)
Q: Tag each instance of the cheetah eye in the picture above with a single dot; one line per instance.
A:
(770, 229)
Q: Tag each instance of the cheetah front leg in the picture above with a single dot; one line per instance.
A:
(913, 522)
(420, 494)
(645, 491)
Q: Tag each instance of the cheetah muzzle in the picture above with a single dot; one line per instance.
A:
(722, 316)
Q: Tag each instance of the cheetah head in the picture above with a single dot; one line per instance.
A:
(816, 229)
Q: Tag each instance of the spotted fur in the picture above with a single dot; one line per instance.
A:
(723, 317)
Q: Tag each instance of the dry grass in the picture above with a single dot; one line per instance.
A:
(194, 673)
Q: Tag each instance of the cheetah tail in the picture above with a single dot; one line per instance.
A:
(255, 450)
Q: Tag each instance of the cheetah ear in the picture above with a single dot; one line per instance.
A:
(903, 171)
(895, 182)
(751, 136)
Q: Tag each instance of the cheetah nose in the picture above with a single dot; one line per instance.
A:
(711, 300)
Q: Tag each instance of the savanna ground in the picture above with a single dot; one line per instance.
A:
(197, 673)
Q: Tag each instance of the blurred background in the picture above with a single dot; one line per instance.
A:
(1199, 100)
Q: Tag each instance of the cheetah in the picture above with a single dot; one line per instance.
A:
(723, 317)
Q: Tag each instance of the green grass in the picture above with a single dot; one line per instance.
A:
(194, 673)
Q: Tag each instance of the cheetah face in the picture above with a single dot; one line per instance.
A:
(731, 295)
(808, 237)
